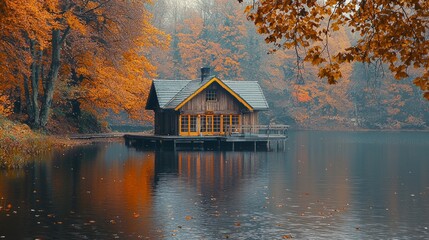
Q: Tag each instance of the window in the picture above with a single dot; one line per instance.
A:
(235, 123)
(226, 123)
(211, 95)
(193, 123)
(184, 123)
(216, 123)
(209, 119)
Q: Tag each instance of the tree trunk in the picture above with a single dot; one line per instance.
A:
(75, 104)
(28, 100)
(17, 105)
(51, 78)
(34, 86)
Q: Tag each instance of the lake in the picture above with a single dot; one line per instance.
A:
(325, 185)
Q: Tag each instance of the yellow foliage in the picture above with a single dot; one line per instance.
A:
(5, 105)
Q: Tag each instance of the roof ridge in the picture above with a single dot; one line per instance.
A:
(157, 79)
(233, 89)
(263, 95)
(189, 81)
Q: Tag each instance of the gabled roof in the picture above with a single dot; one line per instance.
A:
(251, 92)
(173, 94)
(167, 89)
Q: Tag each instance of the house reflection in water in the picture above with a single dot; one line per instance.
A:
(209, 171)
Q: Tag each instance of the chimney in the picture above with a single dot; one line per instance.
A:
(205, 72)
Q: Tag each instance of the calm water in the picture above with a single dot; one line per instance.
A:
(366, 185)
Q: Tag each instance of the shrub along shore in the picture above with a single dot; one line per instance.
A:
(18, 144)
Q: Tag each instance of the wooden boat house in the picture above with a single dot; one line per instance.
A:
(205, 107)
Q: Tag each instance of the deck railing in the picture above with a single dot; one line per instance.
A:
(249, 130)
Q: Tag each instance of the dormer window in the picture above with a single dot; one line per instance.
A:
(211, 95)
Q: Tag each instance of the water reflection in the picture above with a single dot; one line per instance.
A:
(324, 186)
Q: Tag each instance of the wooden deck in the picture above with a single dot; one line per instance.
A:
(261, 137)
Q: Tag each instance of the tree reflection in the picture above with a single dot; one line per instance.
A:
(106, 191)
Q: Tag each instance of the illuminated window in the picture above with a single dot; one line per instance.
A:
(203, 123)
(211, 95)
(226, 123)
(193, 124)
(216, 123)
(184, 123)
(209, 119)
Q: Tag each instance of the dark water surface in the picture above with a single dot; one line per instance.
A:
(326, 185)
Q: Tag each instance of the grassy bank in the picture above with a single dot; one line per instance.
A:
(18, 144)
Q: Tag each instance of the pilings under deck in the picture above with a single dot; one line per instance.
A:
(255, 142)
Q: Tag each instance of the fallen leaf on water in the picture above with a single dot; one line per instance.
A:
(136, 215)
(237, 224)
(288, 236)
(188, 218)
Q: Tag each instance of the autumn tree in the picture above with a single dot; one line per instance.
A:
(390, 32)
(205, 33)
(24, 28)
(92, 53)
(107, 63)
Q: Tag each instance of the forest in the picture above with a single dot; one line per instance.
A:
(73, 65)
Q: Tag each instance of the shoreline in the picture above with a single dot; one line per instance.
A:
(359, 130)
(18, 152)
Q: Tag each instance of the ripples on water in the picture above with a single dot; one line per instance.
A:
(365, 185)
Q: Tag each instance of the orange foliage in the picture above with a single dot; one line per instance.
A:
(302, 95)
(115, 77)
(103, 45)
(210, 38)
(5, 105)
(21, 20)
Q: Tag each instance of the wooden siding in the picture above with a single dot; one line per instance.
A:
(225, 103)
(250, 118)
(166, 122)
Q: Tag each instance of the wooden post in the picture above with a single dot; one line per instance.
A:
(233, 147)
(199, 125)
(221, 125)
(189, 125)
(254, 146)
(174, 145)
(180, 124)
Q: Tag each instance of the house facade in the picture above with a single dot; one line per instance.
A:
(205, 107)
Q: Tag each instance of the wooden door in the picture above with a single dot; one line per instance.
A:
(209, 124)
